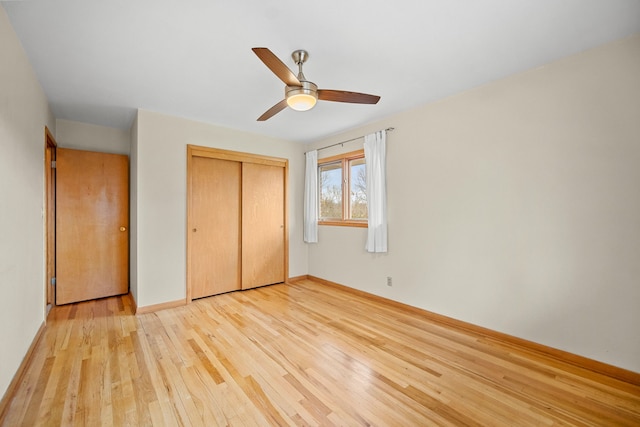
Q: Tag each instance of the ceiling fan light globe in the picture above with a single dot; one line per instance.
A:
(301, 101)
(303, 97)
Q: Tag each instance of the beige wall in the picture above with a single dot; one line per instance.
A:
(24, 113)
(161, 182)
(133, 210)
(84, 136)
(516, 206)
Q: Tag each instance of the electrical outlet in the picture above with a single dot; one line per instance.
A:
(389, 281)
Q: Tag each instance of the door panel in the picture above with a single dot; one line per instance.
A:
(263, 232)
(92, 225)
(215, 227)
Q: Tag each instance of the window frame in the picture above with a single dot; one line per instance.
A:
(344, 160)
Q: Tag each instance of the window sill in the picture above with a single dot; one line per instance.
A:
(361, 224)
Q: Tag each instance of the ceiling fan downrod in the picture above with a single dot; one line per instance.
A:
(300, 57)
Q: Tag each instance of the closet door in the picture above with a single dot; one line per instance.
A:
(263, 225)
(215, 226)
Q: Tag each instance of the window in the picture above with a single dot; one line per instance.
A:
(342, 182)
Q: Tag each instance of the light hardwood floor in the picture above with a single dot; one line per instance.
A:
(301, 354)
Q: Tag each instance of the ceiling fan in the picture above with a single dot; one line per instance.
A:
(301, 94)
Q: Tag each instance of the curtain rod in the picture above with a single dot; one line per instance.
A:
(389, 129)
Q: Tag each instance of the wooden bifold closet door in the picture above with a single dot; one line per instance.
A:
(237, 231)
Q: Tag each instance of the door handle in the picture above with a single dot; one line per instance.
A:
(123, 228)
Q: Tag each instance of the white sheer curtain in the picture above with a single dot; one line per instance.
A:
(375, 155)
(311, 198)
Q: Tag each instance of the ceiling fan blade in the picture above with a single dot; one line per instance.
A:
(345, 96)
(273, 110)
(274, 64)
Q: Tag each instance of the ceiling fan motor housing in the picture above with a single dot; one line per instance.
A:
(301, 98)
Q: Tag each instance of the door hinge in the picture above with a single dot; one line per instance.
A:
(53, 281)
(53, 164)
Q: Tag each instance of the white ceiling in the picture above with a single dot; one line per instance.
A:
(98, 61)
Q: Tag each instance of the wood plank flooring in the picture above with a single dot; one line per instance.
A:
(301, 354)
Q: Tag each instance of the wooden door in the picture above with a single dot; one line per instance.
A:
(215, 226)
(50, 212)
(263, 225)
(92, 225)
